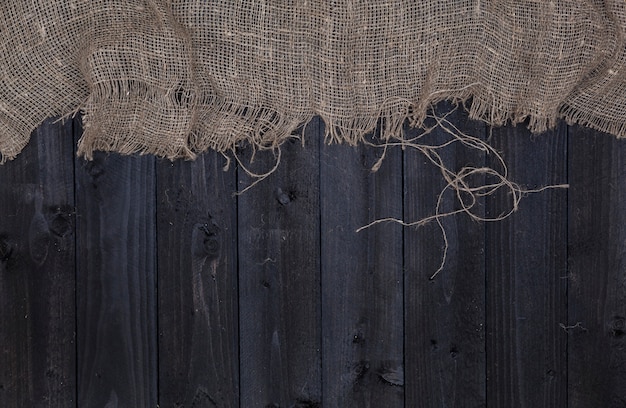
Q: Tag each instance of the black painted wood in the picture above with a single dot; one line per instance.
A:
(197, 283)
(362, 297)
(116, 261)
(444, 317)
(596, 323)
(279, 278)
(526, 275)
(37, 304)
(273, 299)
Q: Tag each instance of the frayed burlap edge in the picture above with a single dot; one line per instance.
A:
(225, 127)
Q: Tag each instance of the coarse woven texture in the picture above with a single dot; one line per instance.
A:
(177, 77)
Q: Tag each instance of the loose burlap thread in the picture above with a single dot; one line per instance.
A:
(175, 78)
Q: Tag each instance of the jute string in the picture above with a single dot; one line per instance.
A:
(467, 195)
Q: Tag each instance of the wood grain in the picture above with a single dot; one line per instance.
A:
(197, 283)
(279, 279)
(444, 317)
(526, 275)
(37, 303)
(116, 261)
(597, 270)
(362, 297)
(127, 282)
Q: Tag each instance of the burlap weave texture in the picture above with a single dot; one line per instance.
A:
(177, 77)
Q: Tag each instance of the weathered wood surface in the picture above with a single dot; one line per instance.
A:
(279, 277)
(130, 281)
(362, 297)
(444, 317)
(526, 275)
(37, 273)
(115, 281)
(197, 283)
(596, 323)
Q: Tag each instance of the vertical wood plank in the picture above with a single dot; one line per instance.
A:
(597, 270)
(197, 283)
(526, 270)
(116, 261)
(37, 276)
(444, 317)
(279, 272)
(362, 297)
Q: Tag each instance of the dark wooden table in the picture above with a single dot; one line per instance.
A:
(138, 282)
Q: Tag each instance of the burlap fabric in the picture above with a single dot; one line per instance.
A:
(178, 77)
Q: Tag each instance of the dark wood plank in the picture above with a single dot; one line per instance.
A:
(597, 270)
(362, 297)
(197, 283)
(37, 277)
(116, 261)
(444, 317)
(279, 274)
(526, 270)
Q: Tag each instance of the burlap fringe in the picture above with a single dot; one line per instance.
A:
(224, 127)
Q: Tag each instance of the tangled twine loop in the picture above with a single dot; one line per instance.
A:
(467, 195)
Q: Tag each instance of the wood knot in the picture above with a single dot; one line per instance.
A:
(60, 225)
(361, 368)
(211, 246)
(206, 243)
(284, 197)
(6, 249)
(618, 326)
